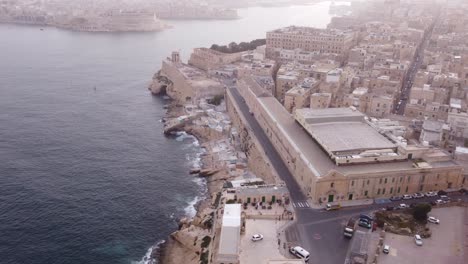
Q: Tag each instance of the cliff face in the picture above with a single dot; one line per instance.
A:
(160, 84)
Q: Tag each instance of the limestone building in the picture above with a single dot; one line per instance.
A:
(336, 155)
(309, 40)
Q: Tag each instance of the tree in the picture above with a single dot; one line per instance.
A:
(420, 211)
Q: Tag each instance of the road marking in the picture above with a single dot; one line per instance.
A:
(317, 236)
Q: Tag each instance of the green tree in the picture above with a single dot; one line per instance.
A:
(420, 211)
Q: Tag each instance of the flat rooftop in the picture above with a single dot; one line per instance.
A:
(341, 130)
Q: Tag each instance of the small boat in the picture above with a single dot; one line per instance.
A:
(42, 29)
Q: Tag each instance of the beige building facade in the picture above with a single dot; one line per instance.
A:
(394, 169)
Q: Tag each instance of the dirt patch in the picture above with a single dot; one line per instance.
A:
(402, 223)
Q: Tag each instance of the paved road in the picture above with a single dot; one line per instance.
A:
(408, 80)
(295, 191)
(318, 231)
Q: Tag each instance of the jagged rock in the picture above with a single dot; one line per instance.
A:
(184, 223)
(194, 170)
(204, 219)
(207, 172)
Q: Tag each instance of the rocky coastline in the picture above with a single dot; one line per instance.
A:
(184, 245)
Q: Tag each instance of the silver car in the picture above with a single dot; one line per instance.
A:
(418, 240)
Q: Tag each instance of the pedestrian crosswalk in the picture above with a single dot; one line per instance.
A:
(301, 204)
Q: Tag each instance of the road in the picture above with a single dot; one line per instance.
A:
(318, 231)
(408, 80)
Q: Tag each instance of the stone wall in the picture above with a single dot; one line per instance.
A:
(258, 162)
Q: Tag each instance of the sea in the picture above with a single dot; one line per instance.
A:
(86, 174)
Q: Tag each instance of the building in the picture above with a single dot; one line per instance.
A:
(309, 40)
(186, 83)
(208, 59)
(320, 100)
(299, 96)
(229, 241)
(325, 151)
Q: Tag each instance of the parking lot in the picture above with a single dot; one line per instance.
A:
(446, 245)
(261, 251)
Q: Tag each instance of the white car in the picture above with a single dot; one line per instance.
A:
(403, 206)
(386, 249)
(431, 194)
(418, 240)
(407, 197)
(440, 201)
(433, 220)
(257, 237)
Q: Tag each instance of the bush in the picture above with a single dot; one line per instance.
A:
(420, 211)
(216, 100)
(233, 47)
(230, 201)
(206, 241)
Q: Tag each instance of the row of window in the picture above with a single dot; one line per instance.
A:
(385, 180)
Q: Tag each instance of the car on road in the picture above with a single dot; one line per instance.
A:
(437, 202)
(418, 195)
(257, 237)
(407, 197)
(331, 207)
(418, 240)
(403, 206)
(444, 198)
(431, 194)
(433, 220)
(300, 253)
(365, 223)
(386, 249)
(396, 198)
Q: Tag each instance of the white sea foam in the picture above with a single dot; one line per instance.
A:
(147, 259)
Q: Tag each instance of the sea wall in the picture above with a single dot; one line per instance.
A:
(258, 161)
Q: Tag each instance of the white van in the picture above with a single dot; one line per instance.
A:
(300, 253)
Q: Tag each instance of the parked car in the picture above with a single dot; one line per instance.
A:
(444, 198)
(257, 237)
(431, 194)
(418, 240)
(396, 198)
(365, 223)
(407, 197)
(441, 192)
(300, 253)
(367, 217)
(437, 202)
(433, 220)
(403, 206)
(418, 195)
(386, 249)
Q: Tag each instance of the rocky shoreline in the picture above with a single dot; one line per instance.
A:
(184, 245)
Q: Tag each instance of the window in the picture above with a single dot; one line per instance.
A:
(391, 190)
(398, 190)
(409, 178)
(401, 179)
(385, 180)
(365, 193)
(380, 181)
(406, 190)
(368, 182)
(393, 180)
(352, 183)
(383, 191)
(378, 192)
(332, 185)
(423, 178)
(421, 187)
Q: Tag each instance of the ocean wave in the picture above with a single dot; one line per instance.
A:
(148, 257)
